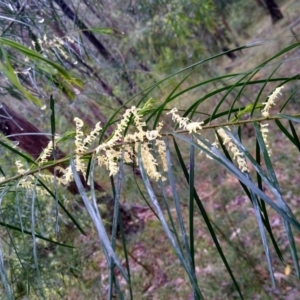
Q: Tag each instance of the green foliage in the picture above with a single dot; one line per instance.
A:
(57, 245)
(238, 21)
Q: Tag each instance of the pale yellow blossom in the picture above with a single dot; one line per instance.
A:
(193, 127)
(265, 112)
(20, 167)
(184, 122)
(92, 136)
(152, 135)
(271, 101)
(237, 155)
(150, 163)
(161, 149)
(109, 157)
(264, 131)
(47, 152)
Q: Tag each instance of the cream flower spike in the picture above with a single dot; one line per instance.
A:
(268, 104)
(185, 122)
(265, 112)
(237, 155)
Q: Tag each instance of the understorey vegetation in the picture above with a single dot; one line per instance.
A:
(152, 156)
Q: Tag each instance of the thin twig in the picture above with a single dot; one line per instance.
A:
(92, 152)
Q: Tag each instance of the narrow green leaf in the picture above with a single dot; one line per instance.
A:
(52, 120)
(177, 203)
(254, 106)
(117, 196)
(35, 55)
(263, 235)
(270, 183)
(288, 117)
(193, 67)
(257, 209)
(75, 222)
(159, 111)
(220, 90)
(2, 172)
(52, 123)
(206, 218)
(100, 30)
(144, 198)
(287, 134)
(16, 151)
(173, 228)
(191, 202)
(263, 207)
(35, 234)
(241, 91)
(289, 99)
(9, 72)
(218, 157)
(68, 135)
(34, 243)
(295, 135)
(270, 169)
(279, 198)
(124, 247)
(166, 228)
(116, 216)
(3, 276)
(23, 265)
(97, 220)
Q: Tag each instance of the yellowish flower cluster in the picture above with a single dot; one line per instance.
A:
(191, 127)
(20, 167)
(128, 142)
(150, 163)
(237, 155)
(55, 43)
(50, 178)
(265, 112)
(46, 153)
(161, 149)
(110, 156)
(109, 152)
(81, 147)
(265, 130)
(270, 101)
(185, 122)
(27, 182)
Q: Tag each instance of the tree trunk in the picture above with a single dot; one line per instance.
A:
(91, 37)
(274, 10)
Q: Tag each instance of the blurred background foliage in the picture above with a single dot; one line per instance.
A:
(96, 58)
